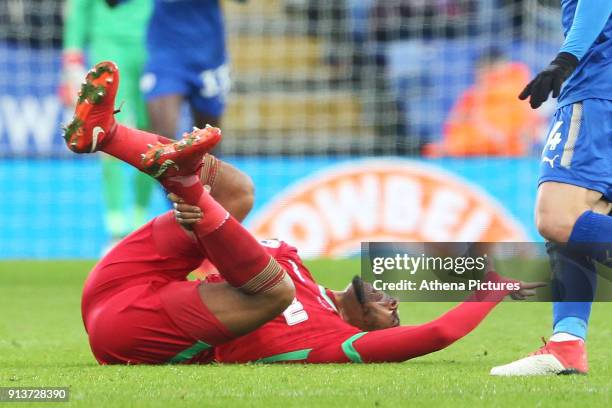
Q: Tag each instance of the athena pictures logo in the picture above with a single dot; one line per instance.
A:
(331, 212)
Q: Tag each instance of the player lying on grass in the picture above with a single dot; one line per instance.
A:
(139, 308)
(358, 324)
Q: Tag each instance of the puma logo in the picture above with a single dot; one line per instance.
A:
(550, 161)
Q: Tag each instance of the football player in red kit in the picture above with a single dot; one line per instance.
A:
(359, 324)
(138, 306)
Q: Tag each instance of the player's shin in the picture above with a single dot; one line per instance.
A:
(573, 290)
(238, 256)
(574, 270)
(592, 236)
(129, 144)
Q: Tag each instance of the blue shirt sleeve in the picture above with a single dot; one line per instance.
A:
(590, 19)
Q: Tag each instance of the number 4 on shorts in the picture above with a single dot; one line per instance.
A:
(554, 137)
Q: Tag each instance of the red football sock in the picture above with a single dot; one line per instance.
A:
(128, 144)
(238, 256)
(190, 189)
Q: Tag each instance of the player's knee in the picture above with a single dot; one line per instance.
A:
(244, 190)
(559, 206)
(281, 295)
(553, 226)
(235, 191)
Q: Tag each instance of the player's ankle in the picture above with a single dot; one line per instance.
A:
(562, 336)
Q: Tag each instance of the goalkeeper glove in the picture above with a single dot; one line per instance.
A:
(550, 79)
(73, 73)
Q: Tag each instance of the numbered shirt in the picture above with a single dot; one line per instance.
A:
(310, 322)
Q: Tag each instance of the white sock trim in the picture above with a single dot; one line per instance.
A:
(564, 337)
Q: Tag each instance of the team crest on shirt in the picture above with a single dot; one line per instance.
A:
(333, 211)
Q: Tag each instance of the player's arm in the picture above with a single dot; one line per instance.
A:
(76, 36)
(402, 343)
(589, 21)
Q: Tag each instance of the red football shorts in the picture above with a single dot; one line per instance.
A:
(138, 306)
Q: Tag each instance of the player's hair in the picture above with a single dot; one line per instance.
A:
(358, 288)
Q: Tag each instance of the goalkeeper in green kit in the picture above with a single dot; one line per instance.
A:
(116, 34)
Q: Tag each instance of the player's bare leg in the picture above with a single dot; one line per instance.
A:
(165, 113)
(228, 185)
(559, 205)
(202, 119)
(241, 260)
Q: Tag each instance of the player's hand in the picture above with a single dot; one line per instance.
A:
(185, 214)
(527, 289)
(73, 74)
(550, 80)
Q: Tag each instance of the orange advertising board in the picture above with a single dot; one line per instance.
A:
(331, 212)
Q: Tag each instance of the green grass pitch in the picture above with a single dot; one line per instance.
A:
(42, 343)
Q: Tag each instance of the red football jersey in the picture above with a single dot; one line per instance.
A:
(310, 322)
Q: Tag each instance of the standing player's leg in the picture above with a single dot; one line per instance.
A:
(165, 113)
(202, 119)
(208, 89)
(165, 92)
(164, 86)
(572, 214)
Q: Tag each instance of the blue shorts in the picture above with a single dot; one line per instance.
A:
(205, 87)
(578, 149)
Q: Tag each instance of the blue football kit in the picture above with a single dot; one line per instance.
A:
(578, 149)
(187, 54)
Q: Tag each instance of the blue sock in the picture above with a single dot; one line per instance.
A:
(574, 271)
(573, 287)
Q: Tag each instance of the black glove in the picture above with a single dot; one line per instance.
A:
(550, 79)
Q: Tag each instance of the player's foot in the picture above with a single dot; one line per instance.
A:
(555, 357)
(183, 157)
(93, 117)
